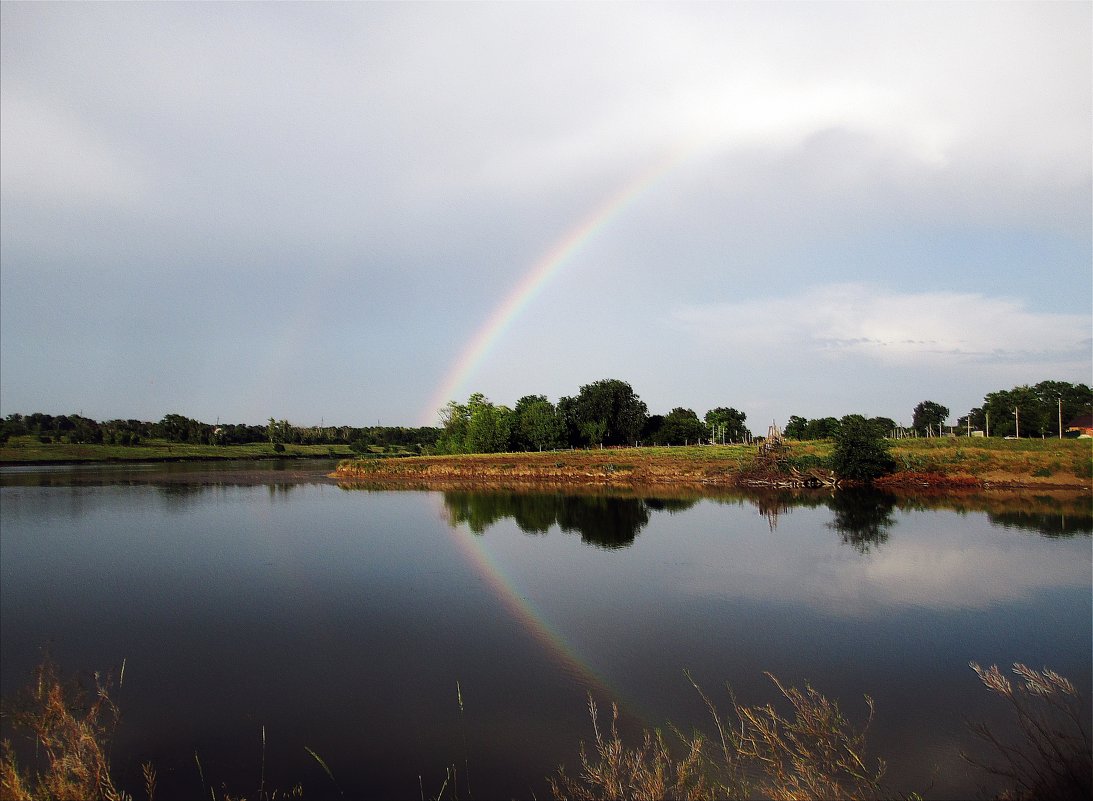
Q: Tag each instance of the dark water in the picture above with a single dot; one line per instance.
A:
(247, 598)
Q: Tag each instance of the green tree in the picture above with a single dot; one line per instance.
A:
(861, 452)
(537, 425)
(928, 415)
(609, 412)
(652, 425)
(727, 423)
(886, 425)
(680, 427)
(454, 421)
(489, 426)
(796, 427)
(1062, 399)
(593, 431)
(821, 428)
(1014, 412)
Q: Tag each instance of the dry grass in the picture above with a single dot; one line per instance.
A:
(811, 752)
(961, 463)
(609, 467)
(1051, 756)
(808, 750)
(70, 728)
(648, 772)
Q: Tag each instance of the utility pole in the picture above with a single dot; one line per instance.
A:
(1060, 417)
(1017, 422)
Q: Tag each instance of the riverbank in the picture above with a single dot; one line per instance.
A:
(942, 464)
(29, 451)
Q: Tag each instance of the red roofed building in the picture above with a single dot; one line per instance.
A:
(1081, 425)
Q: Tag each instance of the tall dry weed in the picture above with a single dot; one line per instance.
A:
(648, 772)
(814, 752)
(70, 728)
(1051, 756)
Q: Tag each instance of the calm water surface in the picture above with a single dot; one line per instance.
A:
(343, 620)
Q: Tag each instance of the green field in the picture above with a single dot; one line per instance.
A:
(27, 449)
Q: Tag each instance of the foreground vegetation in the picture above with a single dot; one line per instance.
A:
(811, 750)
(940, 462)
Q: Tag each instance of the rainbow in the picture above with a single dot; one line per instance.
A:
(533, 281)
(531, 620)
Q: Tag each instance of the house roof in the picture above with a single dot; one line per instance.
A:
(1081, 421)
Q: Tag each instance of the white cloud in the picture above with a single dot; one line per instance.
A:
(861, 320)
(970, 566)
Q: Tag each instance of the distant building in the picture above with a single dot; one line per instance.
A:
(1081, 425)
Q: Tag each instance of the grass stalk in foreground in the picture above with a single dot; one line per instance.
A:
(1052, 756)
(814, 752)
(72, 729)
(810, 751)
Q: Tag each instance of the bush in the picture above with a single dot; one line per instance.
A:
(861, 452)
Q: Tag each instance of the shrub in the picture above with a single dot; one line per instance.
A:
(861, 452)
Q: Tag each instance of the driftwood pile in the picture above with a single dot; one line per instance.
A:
(773, 470)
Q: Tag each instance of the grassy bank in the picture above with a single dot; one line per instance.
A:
(962, 462)
(28, 450)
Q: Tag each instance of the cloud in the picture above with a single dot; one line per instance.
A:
(857, 320)
(972, 566)
(420, 158)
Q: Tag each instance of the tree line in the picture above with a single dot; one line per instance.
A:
(604, 413)
(609, 413)
(1031, 411)
(76, 429)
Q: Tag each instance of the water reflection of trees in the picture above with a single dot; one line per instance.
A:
(862, 517)
(602, 520)
(1048, 524)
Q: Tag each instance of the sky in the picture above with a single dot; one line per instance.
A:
(351, 213)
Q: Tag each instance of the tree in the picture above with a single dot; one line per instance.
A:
(609, 412)
(454, 419)
(822, 428)
(861, 452)
(279, 431)
(1001, 406)
(536, 425)
(729, 422)
(652, 425)
(477, 427)
(886, 425)
(489, 427)
(928, 415)
(680, 427)
(795, 427)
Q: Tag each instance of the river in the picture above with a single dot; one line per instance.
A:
(263, 612)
